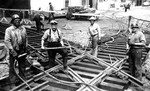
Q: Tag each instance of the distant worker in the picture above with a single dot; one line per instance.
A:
(16, 41)
(37, 18)
(95, 35)
(126, 7)
(51, 13)
(54, 38)
(136, 43)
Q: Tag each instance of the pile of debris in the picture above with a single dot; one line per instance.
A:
(4, 55)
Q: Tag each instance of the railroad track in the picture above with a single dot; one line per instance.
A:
(85, 72)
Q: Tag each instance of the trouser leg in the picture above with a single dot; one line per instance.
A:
(50, 17)
(38, 26)
(63, 53)
(21, 67)
(94, 46)
(138, 63)
(12, 74)
(131, 63)
(135, 56)
(51, 56)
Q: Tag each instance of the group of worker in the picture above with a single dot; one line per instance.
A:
(16, 40)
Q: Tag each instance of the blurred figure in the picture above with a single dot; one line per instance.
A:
(37, 18)
(125, 7)
(54, 38)
(16, 41)
(51, 14)
(136, 43)
(94, 31)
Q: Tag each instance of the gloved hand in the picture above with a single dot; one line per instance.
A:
(13, 52)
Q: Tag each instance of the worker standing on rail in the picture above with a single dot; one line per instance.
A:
(51, 14)
(16, 41)
(136, 43)
(94, 31)
(37, 18)
(54, 38)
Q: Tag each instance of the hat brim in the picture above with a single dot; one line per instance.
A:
(54, 23)
(135, 27)
(14, 19)
(92, 19)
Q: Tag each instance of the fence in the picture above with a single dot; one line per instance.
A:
(9, 13)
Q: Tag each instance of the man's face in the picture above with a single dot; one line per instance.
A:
(92, 22)
(54, 27)
(134, 30)
(16, 22)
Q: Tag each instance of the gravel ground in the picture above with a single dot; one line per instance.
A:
(78, 33)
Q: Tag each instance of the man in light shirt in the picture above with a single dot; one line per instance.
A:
(16, 41)
(54, 38)
(94, 31)
(136, 43)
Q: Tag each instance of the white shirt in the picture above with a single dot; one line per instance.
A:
(94, 29)
(53, 37)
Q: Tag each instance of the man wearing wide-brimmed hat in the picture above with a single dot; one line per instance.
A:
(94, 31)
(54, 38)
(136, 42)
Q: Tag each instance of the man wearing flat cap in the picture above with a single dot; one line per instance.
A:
(54, 38)
(136, 43)
(94, 31)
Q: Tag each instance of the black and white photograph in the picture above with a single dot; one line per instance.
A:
(74, 45)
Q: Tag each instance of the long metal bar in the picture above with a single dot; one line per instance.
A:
(54, 48)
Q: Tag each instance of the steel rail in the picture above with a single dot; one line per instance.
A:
(130, 77)
(101, 75)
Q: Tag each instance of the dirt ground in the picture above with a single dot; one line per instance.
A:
(79, 29)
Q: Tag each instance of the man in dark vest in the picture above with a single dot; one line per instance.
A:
(54, 38)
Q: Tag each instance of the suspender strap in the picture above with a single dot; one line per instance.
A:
(50, 35)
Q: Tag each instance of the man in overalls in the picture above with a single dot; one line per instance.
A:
(54, 38)
(136, 43)
(94, 31)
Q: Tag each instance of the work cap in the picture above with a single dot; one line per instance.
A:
(53, 22)
(92, 18)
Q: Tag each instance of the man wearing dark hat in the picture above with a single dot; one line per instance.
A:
(54, 38)
(16, 41)
(94, 31)
(136, 42)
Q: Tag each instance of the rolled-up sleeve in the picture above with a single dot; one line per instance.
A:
(142, 37)
(45, 35)
(7, 39)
